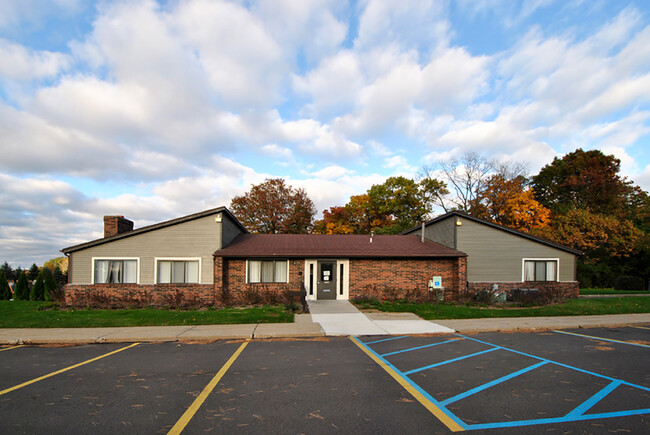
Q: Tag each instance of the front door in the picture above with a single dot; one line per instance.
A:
(326, 281)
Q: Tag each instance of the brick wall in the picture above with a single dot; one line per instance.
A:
(114, 225)
(568, 289)
(232, 289)
(114, 295)
(406, 278)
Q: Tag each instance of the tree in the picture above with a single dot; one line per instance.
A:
(21, 291)
(33, 272)
(402, 200)
(467, 177)
(511, 203)
(8, 271)
(60, 262)
(273, 207)
(336, 220)
(5, 290)
(583, 180)
(49, 285)
(37, 292)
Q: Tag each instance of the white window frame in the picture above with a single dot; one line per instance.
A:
(157, 259)
(137, 267)
(523, 268)
(269, 259)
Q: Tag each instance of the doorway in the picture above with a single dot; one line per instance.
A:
(326, 280)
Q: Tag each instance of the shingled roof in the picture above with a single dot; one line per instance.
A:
(335, 245)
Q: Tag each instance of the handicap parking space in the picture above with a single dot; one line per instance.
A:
(524, 380)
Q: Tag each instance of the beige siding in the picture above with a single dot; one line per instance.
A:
(195, 238)
(496, 255)
(441, 232)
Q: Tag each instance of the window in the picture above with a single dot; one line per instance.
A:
(115, 271)
(178, 271)
(267, 271)
(540, 270)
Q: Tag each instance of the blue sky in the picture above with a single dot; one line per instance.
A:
(155, 110)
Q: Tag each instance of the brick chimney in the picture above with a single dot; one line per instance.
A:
(114, 225)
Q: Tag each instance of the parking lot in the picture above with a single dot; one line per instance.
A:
(570, 381)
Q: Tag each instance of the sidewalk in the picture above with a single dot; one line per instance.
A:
(303, 326)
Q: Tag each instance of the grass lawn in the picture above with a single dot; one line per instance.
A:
(28, 314)
(572, 307)
(611, 291)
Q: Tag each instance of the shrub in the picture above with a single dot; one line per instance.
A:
(22, 288)
(38, 290)
(628, 283)
(5, 290)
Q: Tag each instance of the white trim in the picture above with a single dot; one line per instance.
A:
(271, 259)
(155, 266)
(523, 268)
(343, 280)
(137, 267)
(306, 275)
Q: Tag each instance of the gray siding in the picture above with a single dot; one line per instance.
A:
(441, 232)
(495, 255)
(230, 230)
(195, 238)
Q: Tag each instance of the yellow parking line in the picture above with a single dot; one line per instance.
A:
(437, 412)
(640, 327)
(24, 384)
(602, 338)
(189, 413)
(12, 347)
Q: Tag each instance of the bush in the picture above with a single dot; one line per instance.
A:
(5, 291)
(22, 288)
(628, 283)
(38, 290)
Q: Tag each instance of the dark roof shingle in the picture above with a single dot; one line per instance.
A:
(335, 245)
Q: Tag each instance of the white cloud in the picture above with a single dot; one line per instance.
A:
(22, 63)
(332, 172)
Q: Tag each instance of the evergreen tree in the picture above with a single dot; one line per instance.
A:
(22, 287)
(5, 291)
(49, 285)
(38, 289)
(33, 272)
(8, 271)
(59, 277)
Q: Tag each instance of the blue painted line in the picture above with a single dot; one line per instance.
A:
(557, 419)
(589, 403)
(611, 340)
(420, 347)
(560, 364)
(419, 389)
(492, 383)
(449, 361)
(385, 339)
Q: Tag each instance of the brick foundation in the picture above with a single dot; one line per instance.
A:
(568, 289)
(112, 295)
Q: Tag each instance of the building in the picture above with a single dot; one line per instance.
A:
(499, 255)
(209, 258)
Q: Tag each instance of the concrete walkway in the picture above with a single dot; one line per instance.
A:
(343, 318)
(336, 319)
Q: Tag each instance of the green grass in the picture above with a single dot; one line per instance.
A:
(572, 307)
(611, 291)
(27, 314)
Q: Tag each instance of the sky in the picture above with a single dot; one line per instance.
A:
(155, 110)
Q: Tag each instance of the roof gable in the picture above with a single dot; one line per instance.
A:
(497, 226)
(154, 227)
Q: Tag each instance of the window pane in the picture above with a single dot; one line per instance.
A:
(178, 271)
(192, 272)
(164, 272)
(130, 271)
(101, 271)
(280, 271)
(267, 271)
(115, 271)
(540, 271)
(551, 267)
(254, 271)
(529, 271)
(311, 279)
